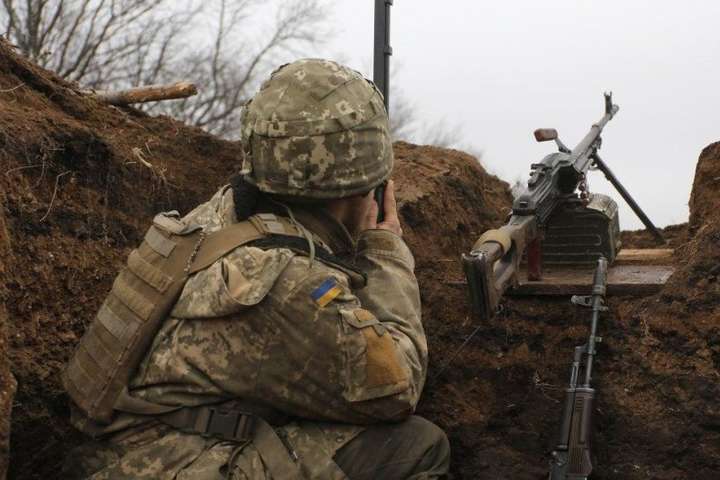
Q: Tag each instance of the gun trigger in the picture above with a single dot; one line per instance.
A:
(598, 339)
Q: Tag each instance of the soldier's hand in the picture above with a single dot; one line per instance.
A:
(392, 221)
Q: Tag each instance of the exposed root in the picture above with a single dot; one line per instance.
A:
(543, 386)
(13, 88)
(17, 169)
(52, 200)
(158, 173)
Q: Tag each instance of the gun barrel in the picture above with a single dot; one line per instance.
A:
(582, 153)
(598, 304)
(600, 278)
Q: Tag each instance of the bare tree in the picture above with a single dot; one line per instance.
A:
(230, 67)
(403, 117)
(112, 44)
(441, 134)
(89, 41)
(405, 125)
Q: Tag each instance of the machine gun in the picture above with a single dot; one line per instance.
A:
(571, 457)
(555, 218)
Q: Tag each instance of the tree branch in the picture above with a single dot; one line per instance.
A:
(116, 44)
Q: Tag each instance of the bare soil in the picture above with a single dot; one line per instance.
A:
(499, 396)
(80, 181)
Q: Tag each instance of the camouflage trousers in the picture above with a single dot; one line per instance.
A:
(414, 449)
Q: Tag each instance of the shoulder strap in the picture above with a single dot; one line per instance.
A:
(358, 279)
(216, 245)
(266, 230)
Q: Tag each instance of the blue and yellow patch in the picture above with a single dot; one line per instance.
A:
(326, 292)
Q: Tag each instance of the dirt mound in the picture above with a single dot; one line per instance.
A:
(79, 182)
(704, 199)
(675, 236)
(446, 200)
(672, 341)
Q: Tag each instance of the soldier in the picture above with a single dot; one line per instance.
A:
(298, 350)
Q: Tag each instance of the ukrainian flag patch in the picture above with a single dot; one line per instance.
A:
(326, 292)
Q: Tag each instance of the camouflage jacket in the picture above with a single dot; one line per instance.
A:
(272, 327)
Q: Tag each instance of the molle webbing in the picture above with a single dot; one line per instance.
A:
(141, 298)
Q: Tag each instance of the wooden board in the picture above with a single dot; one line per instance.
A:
(637, 280)
(645, 256)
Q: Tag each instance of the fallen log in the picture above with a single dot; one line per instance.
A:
(150, 93)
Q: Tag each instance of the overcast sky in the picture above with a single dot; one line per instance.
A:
(501, 69)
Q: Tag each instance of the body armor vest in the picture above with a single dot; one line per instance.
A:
(142, 296)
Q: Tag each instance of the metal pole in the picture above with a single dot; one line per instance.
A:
(382, 49)
(603, 167)
(381, 75)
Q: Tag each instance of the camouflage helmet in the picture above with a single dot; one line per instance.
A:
(316, 130)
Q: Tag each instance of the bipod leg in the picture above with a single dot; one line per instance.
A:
(603, 167)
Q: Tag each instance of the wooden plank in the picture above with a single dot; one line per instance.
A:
(645, 256)
(636, 280)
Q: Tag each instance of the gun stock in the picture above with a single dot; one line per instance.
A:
(492, 265)
(571, 459)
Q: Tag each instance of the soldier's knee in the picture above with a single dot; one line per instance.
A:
(432, 440)
(412, 449)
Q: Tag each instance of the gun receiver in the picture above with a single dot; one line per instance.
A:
(571, 458)
(557, 187)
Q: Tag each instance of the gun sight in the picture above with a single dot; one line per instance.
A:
(610, 109)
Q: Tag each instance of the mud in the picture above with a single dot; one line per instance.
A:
(80, 181)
